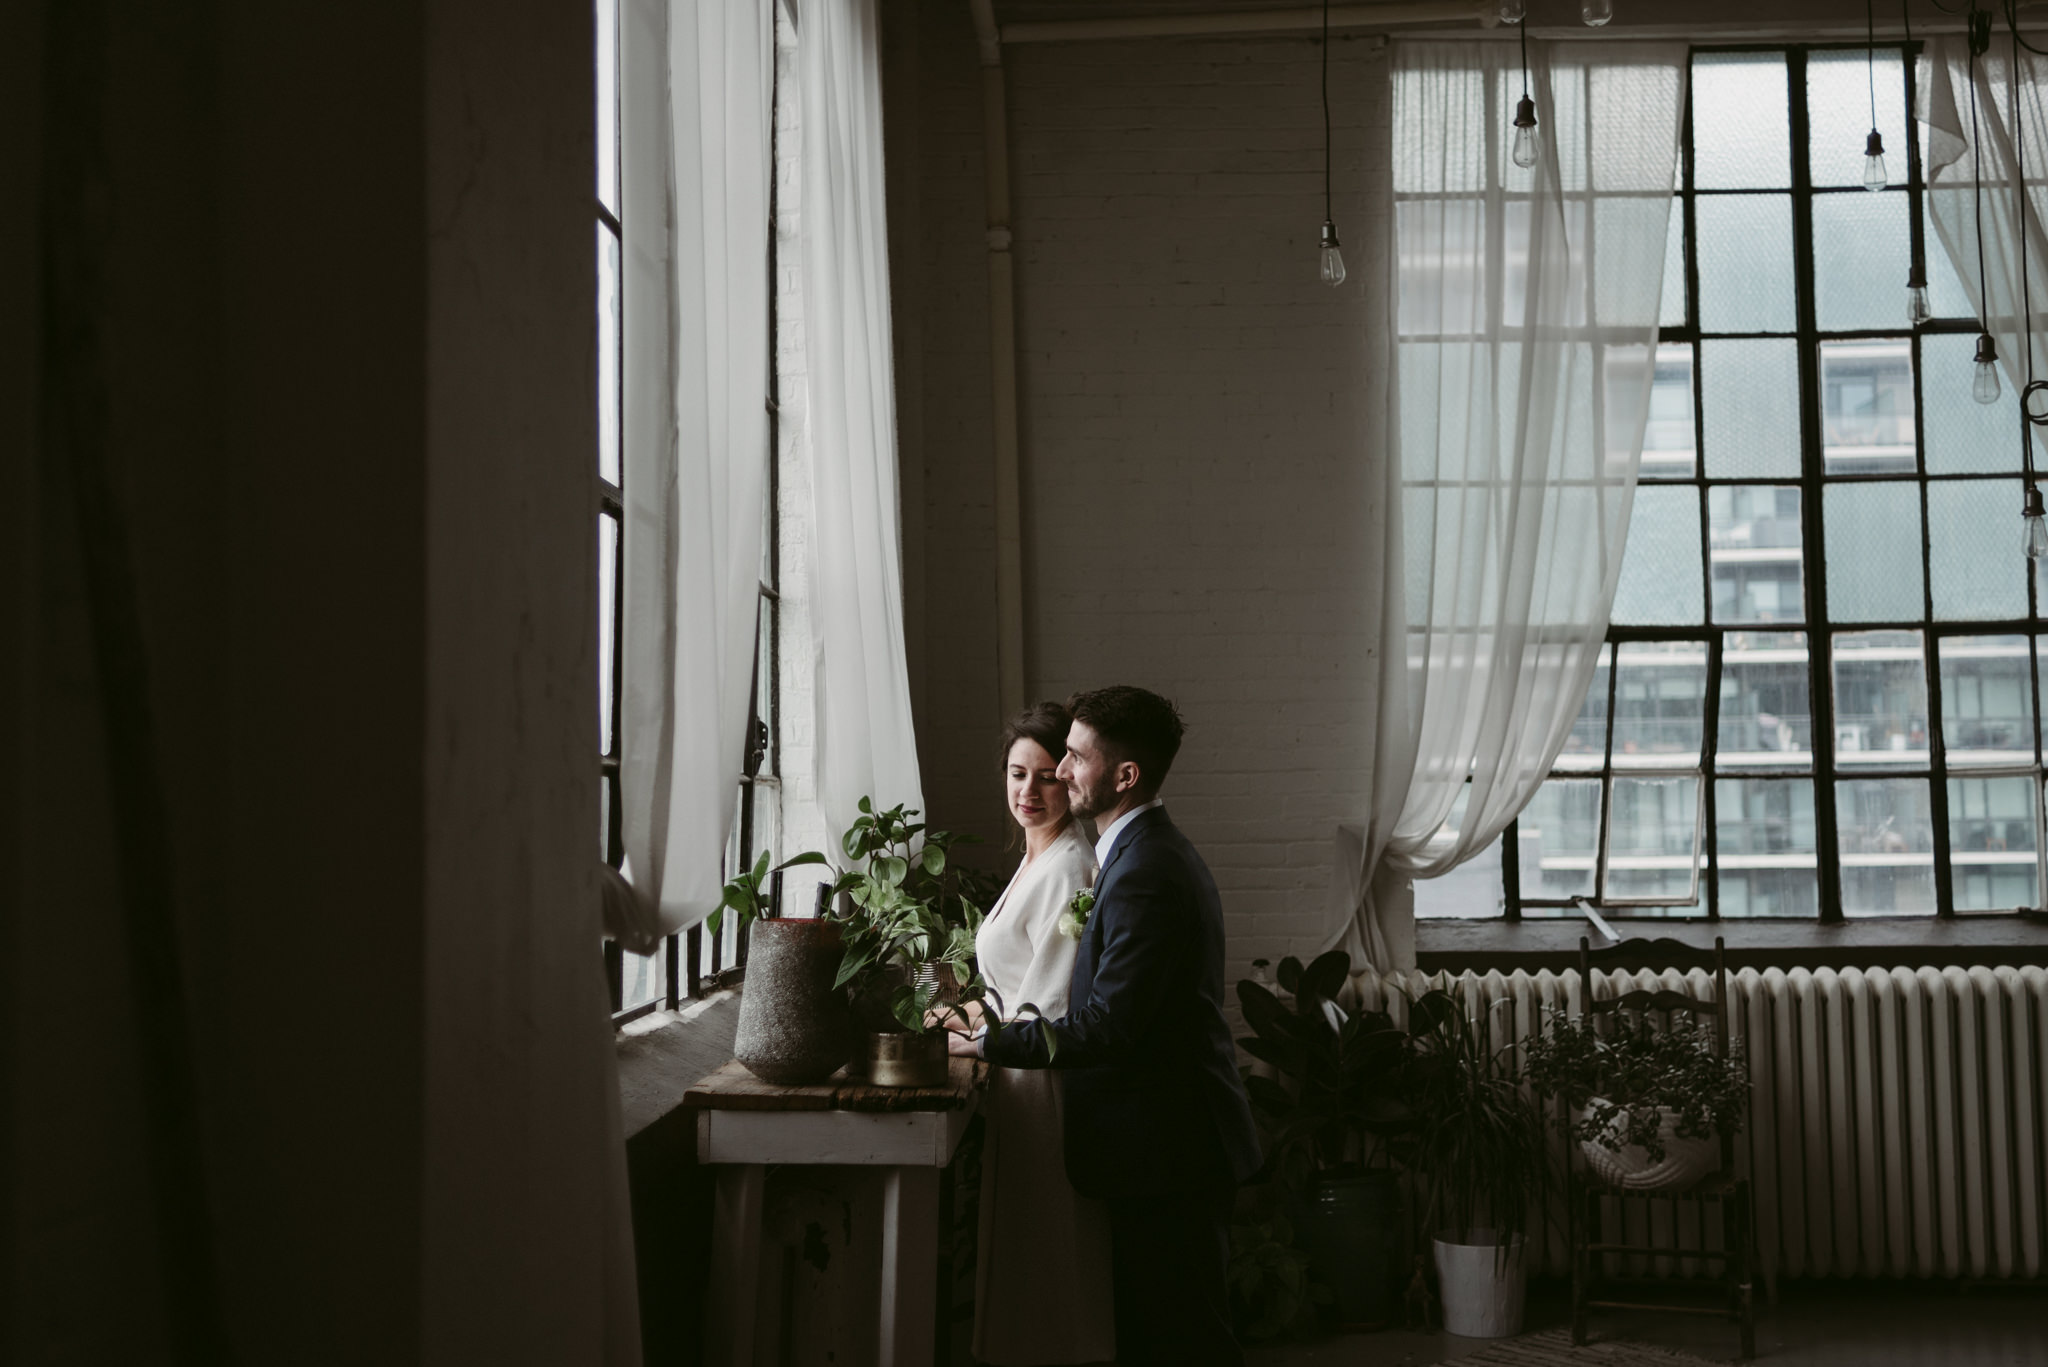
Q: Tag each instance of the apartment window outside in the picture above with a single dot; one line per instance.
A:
(1819, 698)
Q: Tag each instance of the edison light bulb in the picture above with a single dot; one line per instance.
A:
(1873, 161)
(1596, 12)
(1918, 310)
(1984, 386)
(1525, 133)
(1332, 258)
(2034, 527)
(1513, 11)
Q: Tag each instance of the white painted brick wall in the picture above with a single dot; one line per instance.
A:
(1194, 474)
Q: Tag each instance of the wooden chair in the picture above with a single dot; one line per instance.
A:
(1585, 1194)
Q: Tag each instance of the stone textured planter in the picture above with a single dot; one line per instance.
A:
(794, 1026)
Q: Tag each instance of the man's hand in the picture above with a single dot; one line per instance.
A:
(965, 1020)
(963, 1046)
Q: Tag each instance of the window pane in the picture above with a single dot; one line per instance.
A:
(1987, 700)
(1471, 891)
(1627, 227)
(1672, 312)
(608, 104)
(1750, 404)
(1440, 245)
(1765, 716)
(1558, 833)
(1654, 840)
(1586, 747)
(1754, 540)
(1660, 704)
(1742, 137)
(1873, 534)
(1963, 436)
(1973, 543)
(1515, 282)
(1886, 832)
(1660, 572)
(1859, 245)
(1880, 699)
(607, 595)
(1866, 407)
(643, 978)
(1766, 847)
(1668, 435)
(1993, 842)
(607, 354)
(1838, 93)
(1745, 252)
(1945, 291)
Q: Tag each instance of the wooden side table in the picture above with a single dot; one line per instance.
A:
(745, 1125)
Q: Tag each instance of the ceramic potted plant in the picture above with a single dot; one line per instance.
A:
(1479, 1156)
(794, 1028)
(907, 917)
(1330, 1101)
(1647, 1103)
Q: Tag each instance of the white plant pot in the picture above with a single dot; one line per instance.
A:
(1482, 1291)
(1686, 1161)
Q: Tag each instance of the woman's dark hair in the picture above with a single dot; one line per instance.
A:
(1044, 722)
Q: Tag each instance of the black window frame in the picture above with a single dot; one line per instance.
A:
(1819, 628)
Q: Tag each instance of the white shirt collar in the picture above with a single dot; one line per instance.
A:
(1108, 837)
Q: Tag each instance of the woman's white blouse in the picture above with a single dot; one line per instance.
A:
(1022, 954)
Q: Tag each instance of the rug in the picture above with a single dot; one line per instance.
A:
(1553, 1348)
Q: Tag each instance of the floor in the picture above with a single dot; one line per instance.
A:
(1813, 1325)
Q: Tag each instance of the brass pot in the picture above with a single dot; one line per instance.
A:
(901, 1059)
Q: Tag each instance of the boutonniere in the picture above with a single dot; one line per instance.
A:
(1076, 915)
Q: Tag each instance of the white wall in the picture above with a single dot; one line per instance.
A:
(1194, 479)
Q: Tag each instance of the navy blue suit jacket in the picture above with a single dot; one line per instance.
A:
(1153, 1099)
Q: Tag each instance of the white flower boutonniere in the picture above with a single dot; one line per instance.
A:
(1075, 917)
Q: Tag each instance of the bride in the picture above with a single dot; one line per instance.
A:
(1042, 1284)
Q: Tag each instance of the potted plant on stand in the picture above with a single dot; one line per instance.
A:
(1332, 1110)
(1648, 1105)
(1479, 1154)
(908, 919)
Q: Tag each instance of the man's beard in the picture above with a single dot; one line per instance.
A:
(1090, 802)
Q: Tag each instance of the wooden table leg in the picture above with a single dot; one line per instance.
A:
(732, 1297)
(910, 1252)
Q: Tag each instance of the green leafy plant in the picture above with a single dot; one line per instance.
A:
(1271, 1290)
(910, 932)
(1338, 1105)
(1478, 1145)
(747, 896)
(1623, 1072)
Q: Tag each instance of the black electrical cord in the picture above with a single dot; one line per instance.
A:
(1977, 187)
(1870, 55)
(1525, 59)
(1327, 216)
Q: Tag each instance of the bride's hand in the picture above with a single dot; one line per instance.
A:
(967, 1019)
(963, 1046)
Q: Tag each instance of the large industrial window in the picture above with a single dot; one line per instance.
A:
(1820, 693)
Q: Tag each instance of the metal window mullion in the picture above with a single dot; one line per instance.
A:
(1603, 833)
(1820, 645)
(1710, 722)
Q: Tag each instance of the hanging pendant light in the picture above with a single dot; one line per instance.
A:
(1918, 309)
(1984, 383)
(1873, 146)
(1596, 12)
(2034, 524)
(1330, 257)
(1513, 11)
(1524, 147)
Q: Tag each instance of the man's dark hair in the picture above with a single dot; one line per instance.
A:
(1134, 725)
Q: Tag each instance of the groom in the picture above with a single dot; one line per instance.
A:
(1157, 1124)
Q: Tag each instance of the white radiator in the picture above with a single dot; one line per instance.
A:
(1898, 1118)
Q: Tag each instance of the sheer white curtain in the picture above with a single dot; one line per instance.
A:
(1953, 154)
(865, 742)
(1526, 305)
(696, 452)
